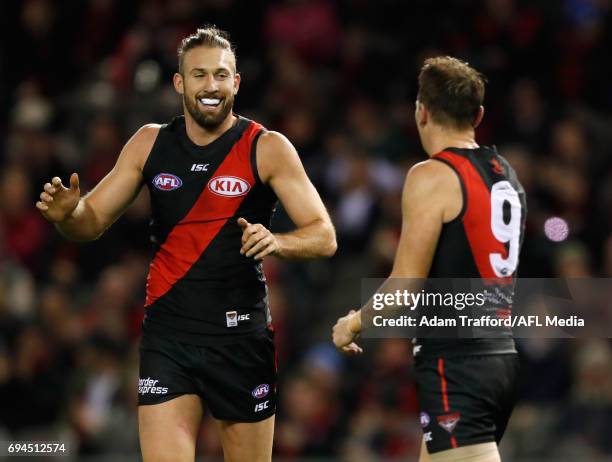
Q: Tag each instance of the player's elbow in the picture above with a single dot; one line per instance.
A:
(95, 236)
(80, 236)
(330, 244)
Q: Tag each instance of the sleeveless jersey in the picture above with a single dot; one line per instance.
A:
(200, 289)
(483, 241)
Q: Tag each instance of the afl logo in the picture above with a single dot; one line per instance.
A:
(167, 182)
(229, 186)
(261, 391)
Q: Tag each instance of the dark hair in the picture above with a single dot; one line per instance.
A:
(209, 36)
(451, 90)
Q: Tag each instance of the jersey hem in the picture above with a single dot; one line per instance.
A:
(152, 329)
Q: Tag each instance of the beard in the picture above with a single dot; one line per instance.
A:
(207, 120)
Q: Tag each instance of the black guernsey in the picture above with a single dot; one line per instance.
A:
(484, 241)
(200, 289)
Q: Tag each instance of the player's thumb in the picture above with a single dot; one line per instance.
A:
(74, 182)
(243, 223)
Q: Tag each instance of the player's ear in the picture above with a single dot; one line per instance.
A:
(178, 83)
(236, 82)
(421, 115)
(479, 116)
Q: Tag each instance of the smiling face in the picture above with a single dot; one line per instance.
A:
(208, 83)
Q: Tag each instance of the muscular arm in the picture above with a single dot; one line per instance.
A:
(431, 197)
(101, 207)
(280, 167)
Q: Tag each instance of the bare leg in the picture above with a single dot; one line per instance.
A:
(247, 441)
(168, 431)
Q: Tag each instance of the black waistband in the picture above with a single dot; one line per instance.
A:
(437, 348)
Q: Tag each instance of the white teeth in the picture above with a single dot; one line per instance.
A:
(210, 101)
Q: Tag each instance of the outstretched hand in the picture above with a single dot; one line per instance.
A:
(56, 201)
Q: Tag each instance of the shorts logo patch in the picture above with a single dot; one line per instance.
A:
(167, 182)
(261, 391)
(229, 186)
(424, 418)
(149, 385)
(449, 421)
(232, 318)
(427, 437)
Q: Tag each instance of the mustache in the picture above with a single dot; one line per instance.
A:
(210, 96)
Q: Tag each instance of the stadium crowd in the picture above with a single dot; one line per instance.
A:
(338, 78)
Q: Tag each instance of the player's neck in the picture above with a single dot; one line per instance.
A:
(442, 139)
(203, 136)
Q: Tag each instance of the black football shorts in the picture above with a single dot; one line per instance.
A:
(465, 400)
(236, 381)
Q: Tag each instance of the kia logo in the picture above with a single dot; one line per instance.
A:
(167, 182)
(229, 186)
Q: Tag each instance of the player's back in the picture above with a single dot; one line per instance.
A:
(483, 241)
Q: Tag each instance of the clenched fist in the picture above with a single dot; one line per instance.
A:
(257, 240)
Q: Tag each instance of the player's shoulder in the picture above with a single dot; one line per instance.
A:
(275, 155)
(272, 141)
(147, 132)
(139, 146)
(274, 147)
(430, 175)
(145, 136)
(434, 186)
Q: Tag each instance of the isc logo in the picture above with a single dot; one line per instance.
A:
(229, 186)
(199, 167)
(261, 406)
(167, 181)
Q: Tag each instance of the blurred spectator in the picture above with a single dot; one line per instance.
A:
(23, 229)
(309, 27)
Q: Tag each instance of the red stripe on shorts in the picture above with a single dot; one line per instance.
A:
(445, 394)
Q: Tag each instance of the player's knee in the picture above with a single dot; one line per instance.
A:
(247, 441)
(167, 457)
(159, 449)
(240, 452)
(241, 456)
